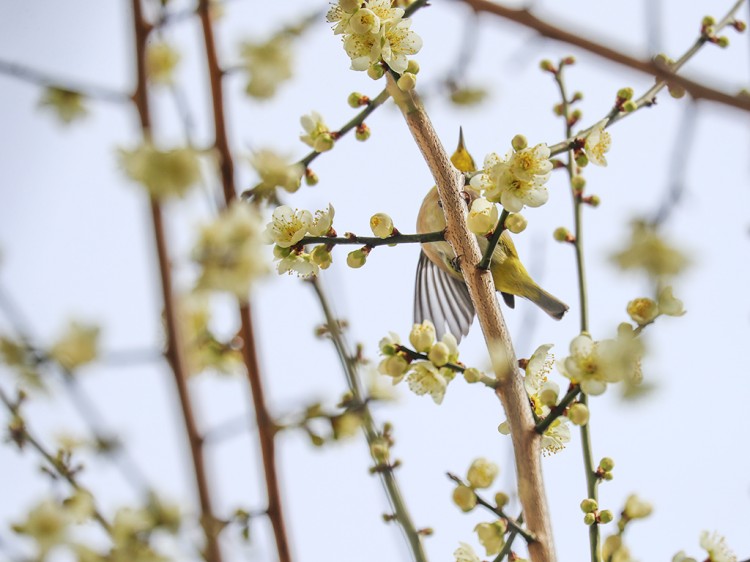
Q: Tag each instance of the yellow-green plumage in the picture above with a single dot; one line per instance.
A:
(508, 273)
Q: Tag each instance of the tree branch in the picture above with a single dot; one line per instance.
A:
(510, 389)
(174, 351)
(266, 425)
(617, 55)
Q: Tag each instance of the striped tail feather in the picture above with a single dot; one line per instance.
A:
(441, 299)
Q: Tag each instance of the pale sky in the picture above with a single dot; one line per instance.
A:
(76, 243)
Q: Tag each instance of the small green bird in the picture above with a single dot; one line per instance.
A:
(441, 295)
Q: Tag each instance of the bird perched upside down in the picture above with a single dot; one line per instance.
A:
(440, 294)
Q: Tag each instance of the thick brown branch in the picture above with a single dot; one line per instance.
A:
(696, 89)
(266, 426)
(174, 350)
(510, 389)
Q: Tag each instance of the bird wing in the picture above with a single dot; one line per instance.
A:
(442, 299)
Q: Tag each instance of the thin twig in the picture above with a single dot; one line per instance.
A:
(591, 480)
(266, 425)
(33, 76)
(56, 466)
(372, 433)
(512, 523)
(617, 55)
(174, 352)
(373, 241)
(499, 228)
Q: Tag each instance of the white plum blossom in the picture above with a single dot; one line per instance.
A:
(425, 378)
(275, 171)
(288, 226)
(598, 141)
(517, 180)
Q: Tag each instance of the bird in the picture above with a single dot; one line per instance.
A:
(440, 293)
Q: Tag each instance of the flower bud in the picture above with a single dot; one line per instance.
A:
(578, 183)
(376, 71)
(519, 142)
(482, 473)
(422, 336)
(357, 258)
(439, 354)
(723, 41)
(311, 178)
(578, 414)
(607, 464)
(472, 375)
(323, 143)
(362, 132)
(589, 505)
(629, 106)
(569, 60)
(676, 91)
(625, 94)
(350, 5)
(355, 100)
(589, 519)
(642, 311)
(394, 366)
(412, 67)
(501, 500)
(321, 256)
(562, 234)
(582, 160)
(407, 82)
(547, 66)
(606, 516)
(465, 498)
(516, 223)
(380, 451)
(381, 225)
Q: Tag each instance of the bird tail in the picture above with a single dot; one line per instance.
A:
(549, 304)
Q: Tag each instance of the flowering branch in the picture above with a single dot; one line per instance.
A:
(266, 425)
(373, 241)
(353, 123)
(664, 78)
(374, 437)
(577, 194)
(512, 523)
(22, 436)
(42, 79)
(174, 352)
(105, 441)
(510, 389)
(664, 74)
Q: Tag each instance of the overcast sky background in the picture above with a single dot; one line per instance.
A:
(76, 243)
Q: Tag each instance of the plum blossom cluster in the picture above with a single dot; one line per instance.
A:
(429, 367)
(203, 348)
(543, 394)
(76, 346)
(595, 364)
(287, 229)
(491, 534)
(53, 526)
(374, 34)
(275, 170)
(649, 252)
(164, 173)
(229, 251)
(518, 179)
